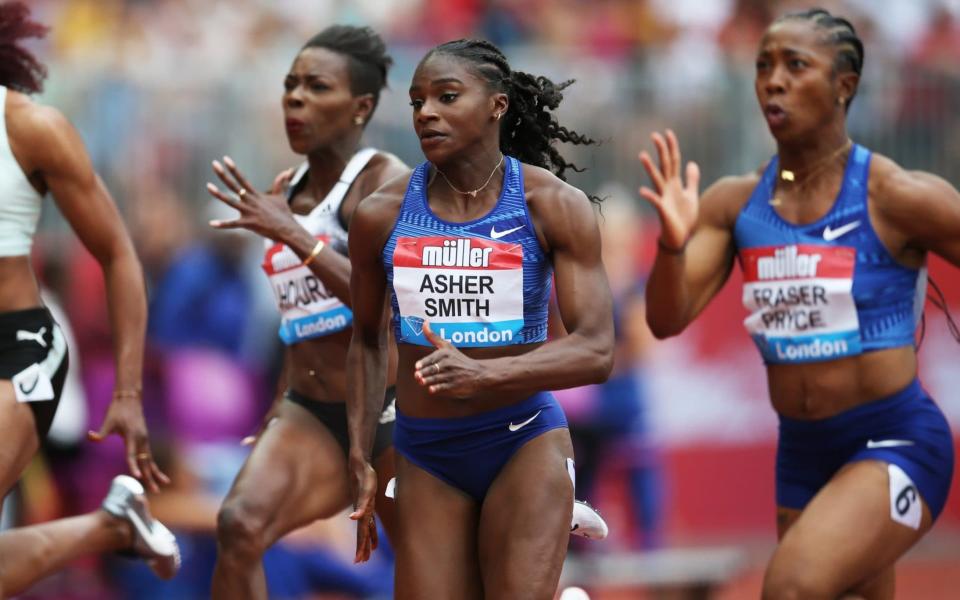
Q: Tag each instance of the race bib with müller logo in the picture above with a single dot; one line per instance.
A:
(307, 308)
(800, 300)
(469, 289)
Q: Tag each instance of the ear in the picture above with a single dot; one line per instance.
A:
(363, 108)
(846, 85)
(501, 103)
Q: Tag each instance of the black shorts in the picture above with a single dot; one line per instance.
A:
(33, 355)
(334, 416)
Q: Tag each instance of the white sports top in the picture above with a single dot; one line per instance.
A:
(19, 201)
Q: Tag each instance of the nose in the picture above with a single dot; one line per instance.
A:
(292, 98)
(776, 80)
(427, 112)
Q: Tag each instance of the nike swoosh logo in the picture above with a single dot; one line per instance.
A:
(888, 443)
(499, 234)
(517, 426)
(832, 234)
(26, 391)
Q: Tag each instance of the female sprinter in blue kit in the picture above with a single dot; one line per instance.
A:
(463, 251)
(832, 241)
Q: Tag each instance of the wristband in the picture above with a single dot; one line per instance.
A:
(313, 253)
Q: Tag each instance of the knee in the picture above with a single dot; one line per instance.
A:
(241, 531)
(792, 583)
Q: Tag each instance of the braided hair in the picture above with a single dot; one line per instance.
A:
(367, 58)
(839, 33)
(528, 129)
(19, 69)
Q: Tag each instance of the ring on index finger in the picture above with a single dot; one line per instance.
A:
(242, 193)
(143, 456)
(436, 366)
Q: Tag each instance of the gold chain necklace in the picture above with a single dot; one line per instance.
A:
(791, 176)
(471, 193)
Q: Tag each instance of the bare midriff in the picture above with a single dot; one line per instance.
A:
(823, 389)
(416, 401)
(18, 285)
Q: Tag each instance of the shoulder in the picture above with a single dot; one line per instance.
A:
(543, 188)
(383, 167)
(377, 212)
(721, 203)
(38, 129)
(897, 192)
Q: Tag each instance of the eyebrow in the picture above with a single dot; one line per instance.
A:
(440, 81)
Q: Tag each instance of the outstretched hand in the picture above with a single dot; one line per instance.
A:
(265, 214)
(676, 203)
(446, 370)
(125, 417)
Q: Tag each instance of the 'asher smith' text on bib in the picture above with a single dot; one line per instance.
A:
(800, 302)
(480, 283)
(470, 290)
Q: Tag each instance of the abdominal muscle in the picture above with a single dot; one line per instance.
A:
(415, 400)
(18, 285)
(823, 389)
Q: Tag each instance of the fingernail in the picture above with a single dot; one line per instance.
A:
(211, 187)
(217, 166)
(229, 161)
(215, 223)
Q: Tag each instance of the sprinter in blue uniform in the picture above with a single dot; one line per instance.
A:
(832, 241)
(463, 252)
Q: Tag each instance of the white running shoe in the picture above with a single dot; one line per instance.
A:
(587, 522)
(152, 541)
(574, 593)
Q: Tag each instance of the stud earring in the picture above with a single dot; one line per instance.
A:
(498, 115)
(841, 100)
(358, 120)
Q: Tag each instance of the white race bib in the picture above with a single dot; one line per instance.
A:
(470, 290)
(800, 300)
(308, 309)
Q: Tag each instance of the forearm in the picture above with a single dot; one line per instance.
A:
(667, 295)
(571, 361)
(127, 305)
(330, 266)
(366, 382)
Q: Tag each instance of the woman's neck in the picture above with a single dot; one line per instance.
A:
(799, 156)
(326, 165)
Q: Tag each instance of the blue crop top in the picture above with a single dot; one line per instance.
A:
(480, 283)
(828, 289)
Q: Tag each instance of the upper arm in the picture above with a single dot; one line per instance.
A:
(583, 294)
(62, 161)
(390, 168)
(711, 249)
(924, 209)
(370, 227)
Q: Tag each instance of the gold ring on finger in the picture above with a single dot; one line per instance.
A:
(436, 366)
(143, 456)
(242, 193)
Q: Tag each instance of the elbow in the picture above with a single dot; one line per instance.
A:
(601, 365)
(662, 328)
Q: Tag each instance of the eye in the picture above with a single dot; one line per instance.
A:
(448, 97)
(797, 63)
(289, 84)
(319, 87)
(762, 64)
(416, 104)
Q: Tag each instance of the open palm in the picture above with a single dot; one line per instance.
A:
(676, 203)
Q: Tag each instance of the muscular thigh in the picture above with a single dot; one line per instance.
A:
(436, 539)
(845, 538)
(18, 437)
(525, 521)
(296, 474)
